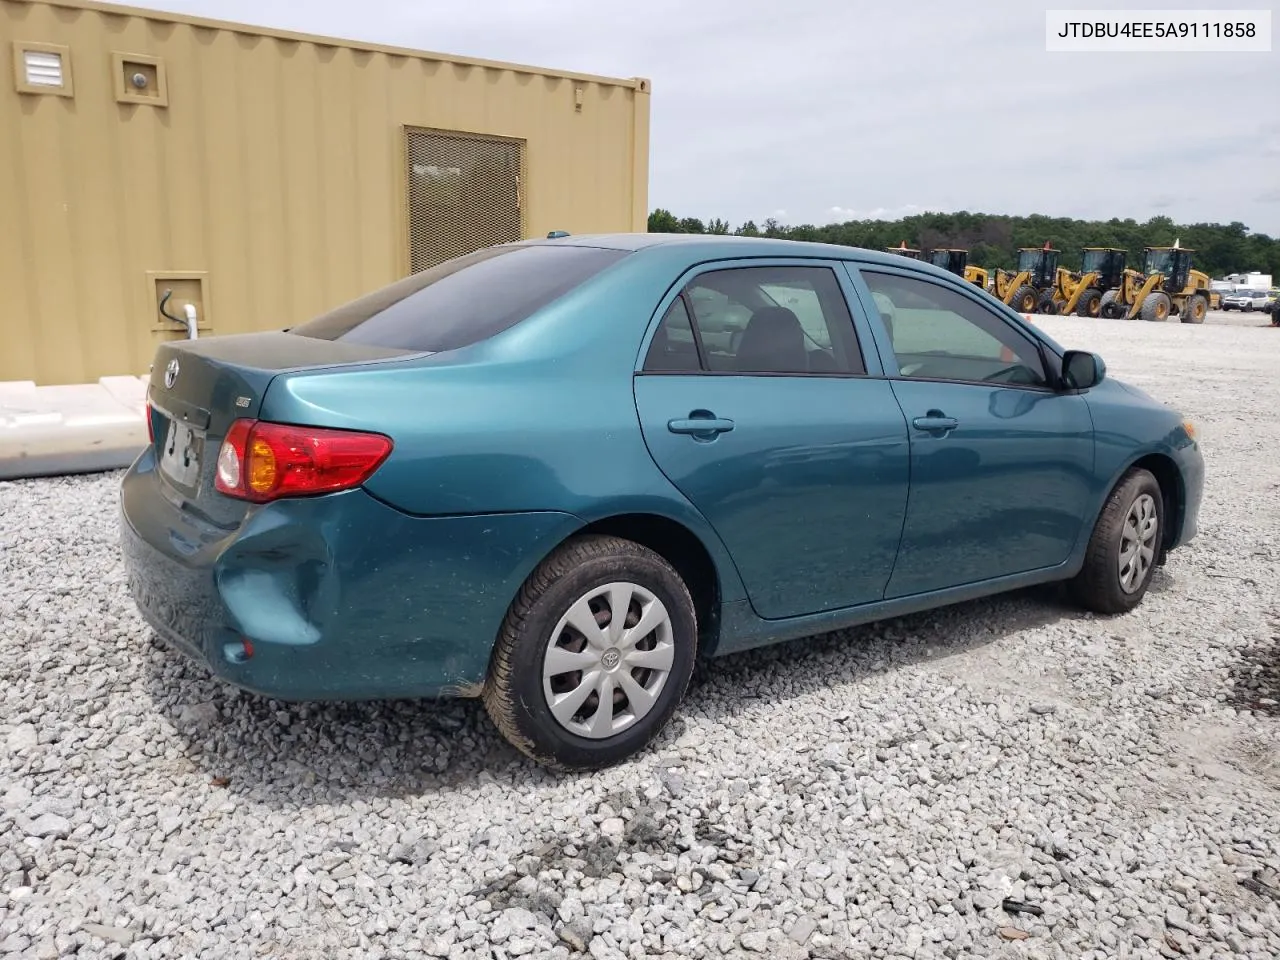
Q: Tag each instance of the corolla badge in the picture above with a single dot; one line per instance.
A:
(171, 373)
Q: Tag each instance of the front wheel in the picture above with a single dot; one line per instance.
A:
(1025, 299)
(594, 655)
(1122, 552)
(1155, 308)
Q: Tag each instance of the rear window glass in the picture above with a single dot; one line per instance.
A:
(464, 300)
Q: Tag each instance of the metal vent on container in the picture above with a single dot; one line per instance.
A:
(463, 193)
(42, 69)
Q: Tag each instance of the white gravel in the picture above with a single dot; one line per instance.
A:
(880, 793)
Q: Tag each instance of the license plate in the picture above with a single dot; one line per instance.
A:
(180, 456)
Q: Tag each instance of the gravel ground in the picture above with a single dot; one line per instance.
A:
(1238, 318)
(886, 792)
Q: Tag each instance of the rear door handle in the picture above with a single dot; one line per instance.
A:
(935, 422)
(700, 423)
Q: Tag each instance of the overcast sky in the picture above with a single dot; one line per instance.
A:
(815, 111)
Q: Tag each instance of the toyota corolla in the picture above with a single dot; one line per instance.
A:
(554, 473)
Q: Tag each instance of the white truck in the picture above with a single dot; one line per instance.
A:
(1253, 280)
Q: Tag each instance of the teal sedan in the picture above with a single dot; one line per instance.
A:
(554, 473)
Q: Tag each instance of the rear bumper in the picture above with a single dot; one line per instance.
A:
(341, 597)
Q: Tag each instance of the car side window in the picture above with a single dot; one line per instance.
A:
(674, 348)
(770, 320)
(940, 334)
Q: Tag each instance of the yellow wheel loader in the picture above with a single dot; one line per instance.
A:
(1101, 270)
(1167, 286)
(905, 251)
(957, 262)
(1032, 284)
(1058, 295)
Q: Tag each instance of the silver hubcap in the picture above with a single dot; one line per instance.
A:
(608, 660)
(1138, 542)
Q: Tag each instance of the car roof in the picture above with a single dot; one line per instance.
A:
(714, 245)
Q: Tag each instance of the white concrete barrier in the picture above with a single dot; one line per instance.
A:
(78, 428)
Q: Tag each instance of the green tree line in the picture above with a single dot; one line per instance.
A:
(993, 239)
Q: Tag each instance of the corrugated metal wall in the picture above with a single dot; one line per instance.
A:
(257, 175)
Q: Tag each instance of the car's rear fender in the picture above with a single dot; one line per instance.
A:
(493, 438)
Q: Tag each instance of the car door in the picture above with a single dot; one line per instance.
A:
(1001, 462)
(756, 401)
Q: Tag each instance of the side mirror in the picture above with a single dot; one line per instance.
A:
(1082, 370)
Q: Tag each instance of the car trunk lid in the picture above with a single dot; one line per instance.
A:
(198, 388)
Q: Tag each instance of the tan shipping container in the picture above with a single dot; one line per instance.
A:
(263, 177)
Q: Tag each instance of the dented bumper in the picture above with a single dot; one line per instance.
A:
(339, 597)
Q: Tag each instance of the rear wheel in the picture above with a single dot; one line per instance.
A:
(1025, 299)
(1197, 307)
(1047, 304)
(1156, 307)
(594, 655)
(1089, 304)
(1123, 550)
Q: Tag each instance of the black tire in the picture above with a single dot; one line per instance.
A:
(1046, 304)
(1097, 586)
(1090, 304)
(1110, 306)
(1248, 308)
(513, 693)
(1197, 308)
(1155, 309)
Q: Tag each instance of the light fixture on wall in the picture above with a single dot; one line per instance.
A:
(140, 78)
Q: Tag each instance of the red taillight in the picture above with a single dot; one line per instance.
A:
(262, 461)
(151, 425)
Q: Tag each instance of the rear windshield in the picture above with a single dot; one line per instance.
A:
(464, 300)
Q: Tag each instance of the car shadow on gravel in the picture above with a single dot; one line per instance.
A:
(848, 656)
(288, 755)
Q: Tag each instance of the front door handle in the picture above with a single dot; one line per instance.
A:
(935, 421)
(701, 423)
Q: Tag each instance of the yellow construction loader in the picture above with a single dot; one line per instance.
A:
(1026, 289)
(905, 251)
(1167, 286)
(957, 261)
(1101, 269)
(1058, 294)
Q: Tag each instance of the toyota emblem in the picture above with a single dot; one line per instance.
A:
(171, 373)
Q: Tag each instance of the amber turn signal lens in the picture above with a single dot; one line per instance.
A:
(262, 466)
(1190, 427)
